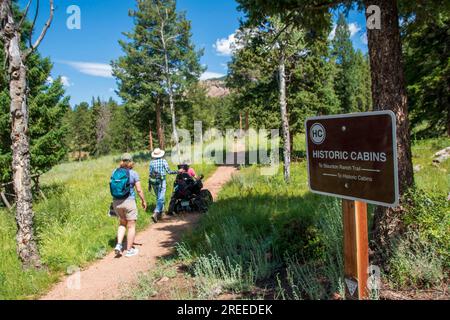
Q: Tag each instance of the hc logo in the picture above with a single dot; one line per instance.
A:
(317, 133)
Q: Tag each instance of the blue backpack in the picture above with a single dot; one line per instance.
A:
(119, 184)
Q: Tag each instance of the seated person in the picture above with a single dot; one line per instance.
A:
(184, 168)
(191, 181)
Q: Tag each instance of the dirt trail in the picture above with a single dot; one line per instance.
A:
(105, 278)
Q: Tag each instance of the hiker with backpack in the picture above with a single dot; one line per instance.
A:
(124, 185)
(159, 168)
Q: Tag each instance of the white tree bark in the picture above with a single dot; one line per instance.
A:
(170, 89)
(17, 72)
(284, 117)
(10, 35)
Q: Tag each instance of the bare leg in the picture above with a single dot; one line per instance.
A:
(131, 225)
(121, 231)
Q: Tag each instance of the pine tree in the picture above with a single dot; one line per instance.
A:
(387, 73)
(101, 114)
(427, 53)
(83, 135)
(346, 79)
(160, 60)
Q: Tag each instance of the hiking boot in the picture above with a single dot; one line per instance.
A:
(155, 218)
(118, 249)
(131, 253)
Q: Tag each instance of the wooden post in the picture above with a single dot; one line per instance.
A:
(247, 127)
(356, 249)
(240, 123)
(151, 140)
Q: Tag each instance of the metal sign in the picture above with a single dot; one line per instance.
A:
(354, 157)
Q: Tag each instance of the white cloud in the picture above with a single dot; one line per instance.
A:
(332, 33)
(65, 81)
(91, 68)
(364, 38)
(354, 28)
(211, 75)
(226, 46)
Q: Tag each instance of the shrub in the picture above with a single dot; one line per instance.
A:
(299, 235)
(428, 216)
(421, 258)
(416, 263)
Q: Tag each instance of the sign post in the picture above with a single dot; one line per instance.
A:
(356, 248)
(354, 157)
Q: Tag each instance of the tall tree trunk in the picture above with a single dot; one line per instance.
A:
(174, 123)
(448, 116)
(284, 118)
(170, 92)
(158, 124)
(389, 93)
(247, 127)
(17, 72)
(150, 139)
(240, 123)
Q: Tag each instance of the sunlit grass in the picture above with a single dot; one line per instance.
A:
(72, 227)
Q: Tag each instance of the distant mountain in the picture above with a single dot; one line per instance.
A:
(216, 88)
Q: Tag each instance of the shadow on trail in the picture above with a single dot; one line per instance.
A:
(175, 231)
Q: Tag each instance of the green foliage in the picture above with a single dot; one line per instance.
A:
(352, 83)
(257, 226)
(427, 60)
(428, 215)
(72, 227)
(253, 73)
(102, 128)
(160, 61)
(47, 106)
(434, 179)
(416, 263)
(213, 112)
(309, 246)
(425, 43)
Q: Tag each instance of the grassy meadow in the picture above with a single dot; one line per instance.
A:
(261, 239)
(72, 226)
(266, 239)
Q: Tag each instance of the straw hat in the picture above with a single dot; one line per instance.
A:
(158, 153)
(127, 157)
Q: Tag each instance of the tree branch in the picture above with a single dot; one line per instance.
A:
(34, 23)
(44, 30)
(24, 14)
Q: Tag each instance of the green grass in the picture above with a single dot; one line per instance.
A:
(432, 178)
(260, 231)
(264, 231)
(72, 227)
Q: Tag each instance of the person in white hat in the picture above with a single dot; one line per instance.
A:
(159, 168)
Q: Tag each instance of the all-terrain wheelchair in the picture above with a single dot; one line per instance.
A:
(189, 196)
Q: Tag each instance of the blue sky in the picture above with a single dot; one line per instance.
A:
(82, 57)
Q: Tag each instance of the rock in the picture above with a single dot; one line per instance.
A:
(215, 88)
(336, 296)
(217, 291)
(442, 155)
(163, 279)
(417, 168)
